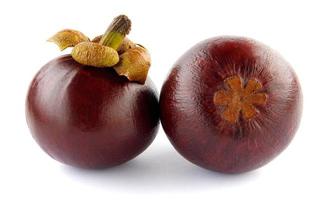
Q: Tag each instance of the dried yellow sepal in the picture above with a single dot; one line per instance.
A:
(134, 64)
(126, 44)
(68, 38)
(94, 54)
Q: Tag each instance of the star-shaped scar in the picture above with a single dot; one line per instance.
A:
(239, 99)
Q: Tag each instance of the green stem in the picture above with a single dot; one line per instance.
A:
(116, 32)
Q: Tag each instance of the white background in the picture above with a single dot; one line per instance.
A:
(167, 29)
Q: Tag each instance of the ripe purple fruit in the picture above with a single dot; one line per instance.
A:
(90, 117)
(230, 104)
(94, 108)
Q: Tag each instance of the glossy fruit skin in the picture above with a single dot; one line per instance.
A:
(195, 126)
(90, 117)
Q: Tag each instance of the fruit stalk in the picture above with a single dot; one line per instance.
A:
(116, 32)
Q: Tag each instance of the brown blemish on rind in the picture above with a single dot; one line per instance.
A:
(238, 99)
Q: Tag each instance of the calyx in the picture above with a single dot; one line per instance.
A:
(112, 49)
